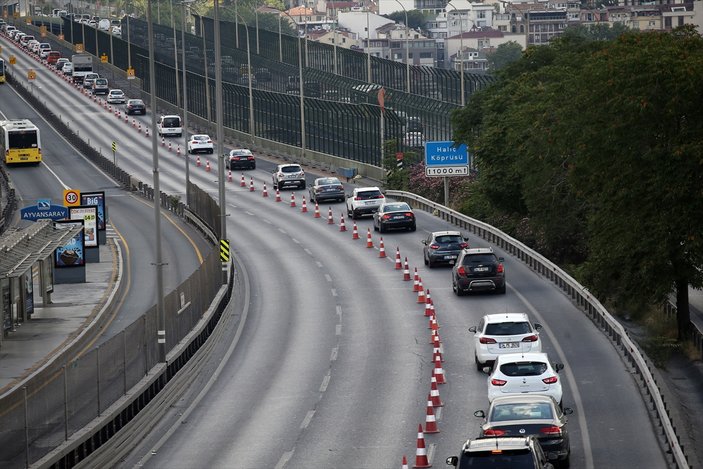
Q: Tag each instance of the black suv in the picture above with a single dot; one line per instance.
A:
(497, 453)
(478, 270)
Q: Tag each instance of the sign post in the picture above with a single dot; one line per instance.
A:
(114, 153)
(444, 159)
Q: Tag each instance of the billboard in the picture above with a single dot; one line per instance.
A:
(97, 199)
(71, 254)
(89, 215)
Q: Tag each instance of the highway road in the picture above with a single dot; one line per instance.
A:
(131, 218)
(332, 366)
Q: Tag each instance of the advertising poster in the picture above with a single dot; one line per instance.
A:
(97, 199)
(71, 254)
(89, 215)
(29, 293)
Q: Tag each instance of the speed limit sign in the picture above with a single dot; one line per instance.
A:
(71, 197)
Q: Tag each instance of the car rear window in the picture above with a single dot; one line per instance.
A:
(479, 259)
(369, 194)
(448, 239)
(535, 411)
(396, 207)
(523, 368)
(172, 122)
(508, 328)
(100, 81)
(291, 169)
(514, 459)
(328, 181)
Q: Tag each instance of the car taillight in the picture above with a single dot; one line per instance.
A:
(409, 214)
(434, 246)
(460, 270)
(487, 340)
(464, 245)
(551, 430)
(498, 382)
(250, 157)
(386, 217)
(500, 268)
(494, 432)
(235, 158)
(339, 188)
(357, 198)
(550, 380)
(531, 338)
(209, 141)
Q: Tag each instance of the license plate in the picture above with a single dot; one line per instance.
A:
(398, 217)
(370, 203)
(508, 345)
(481, 269)
(450, 257)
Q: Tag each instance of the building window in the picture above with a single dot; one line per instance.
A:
(425, 55)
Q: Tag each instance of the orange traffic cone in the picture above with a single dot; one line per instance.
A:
(430, 420)
(292, 200)
(405, 463)
(207, 166)
(304, 207)
(420, 292)
(398, 263)
(278, 196)
(369, 243)
(317, 210)
(264, 193)
(433, 334)
(428, 310)
(406, 271)
(437, 352)
(170, 147)
(439, 372)
(342, 225)
(134, 124)
(197, 161)
(355, 232)
(432, 324)
(381, 249)
(139, 128)
(251, 185)
(229, 175)
(427, 296)
(421, 451)
(242, 182)
(416, 281)
(330, 220)
(146, 131)
(178, 150)
(434, 393)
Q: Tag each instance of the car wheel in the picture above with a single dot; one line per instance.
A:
(302, 186)
(479, 365)
(501, 291)
(457, 291)
(381, 229)
(211, 151)
(564, 463)
(413, 228)
(427, 262)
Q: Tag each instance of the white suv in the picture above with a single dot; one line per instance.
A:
(364, 201)
(503, 333)
(523, 373)
(288, 175)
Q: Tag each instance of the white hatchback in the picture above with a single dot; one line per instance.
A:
(502, 333)
(116, 96)
(524, 373)
(200, 143)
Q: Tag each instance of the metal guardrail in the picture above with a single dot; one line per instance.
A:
(578, 293)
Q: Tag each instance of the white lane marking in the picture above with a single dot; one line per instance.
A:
(295, 241)
(282, 230)
(285, 457)
(319, 264)
(306, 420)
(307, 251)
(334, 292)
(328, 278)
(585, 438)
(325, 382)
(248, 213)
(333, 355)
(268, 222)
(339, 312)
(438, 413)
(430, 452)
(338, 329)
(56, 176)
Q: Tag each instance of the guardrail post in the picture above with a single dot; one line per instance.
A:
(65, 403)
(97, 369)
(26, 428)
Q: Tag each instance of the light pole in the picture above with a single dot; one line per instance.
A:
(461, 53)
(256, 16)
(280, 40)
(334, 38)
(368, 46)
(175, 60)
(252, 128)
(207, 79)
(161, 315)
(407, 49)
(185, 97)
(301, 90)
(218, 118)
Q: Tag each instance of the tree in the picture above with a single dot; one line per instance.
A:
(416, 18)
(504, 54)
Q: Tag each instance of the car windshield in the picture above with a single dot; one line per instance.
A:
(448, 239)
(396, 207)
(479, 259)
(369, 194)
(514, 459)
(290, 169)
(328, 182)
(508, 328)
(523, 368)
(521, 411)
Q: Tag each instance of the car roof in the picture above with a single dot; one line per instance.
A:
(361, 189)
(504, 443)
(445, 233)
(241, 150)
(288, 164)
(479, 251)
(505, 317)
(526, 398)
(522, 357)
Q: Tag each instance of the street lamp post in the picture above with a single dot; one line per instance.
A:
(407, 48)
(256, 17)
(461, 54)
(218, 118)
(280, 40)
(368, 46)
(161, 315)
(185, 97)
(175, 60)
(208, 111)
(301, 90)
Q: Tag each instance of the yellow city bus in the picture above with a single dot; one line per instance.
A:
(2, 70)
(20, 142)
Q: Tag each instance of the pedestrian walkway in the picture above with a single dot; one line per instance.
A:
(52, 327)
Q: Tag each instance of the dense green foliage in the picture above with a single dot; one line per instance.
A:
(597, 146)
(416, 18)
(504, 55)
